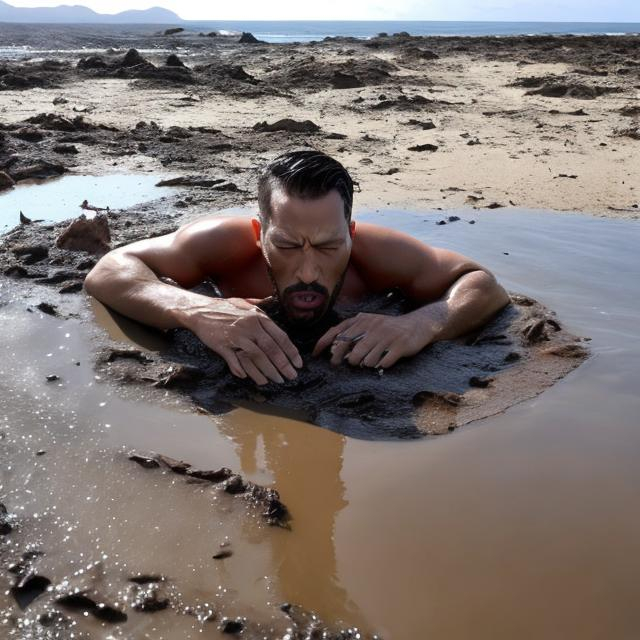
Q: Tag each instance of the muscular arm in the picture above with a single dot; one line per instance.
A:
(455, 294)
(128, 280)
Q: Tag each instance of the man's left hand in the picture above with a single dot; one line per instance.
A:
(374, 340)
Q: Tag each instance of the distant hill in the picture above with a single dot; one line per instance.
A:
(78, 13)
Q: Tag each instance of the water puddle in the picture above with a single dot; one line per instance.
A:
(58, 199)
(522, 525)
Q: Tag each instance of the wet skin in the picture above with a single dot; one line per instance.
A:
(311, 256)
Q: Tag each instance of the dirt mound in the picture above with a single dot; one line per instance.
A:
(520, 353)
(572, 90)
(287, 124)
(314, 73)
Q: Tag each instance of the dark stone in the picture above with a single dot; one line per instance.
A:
(249, 38)
(287, 124)
(47, 308)
(52, 378)
(423, 147)
(480, 383)
(147, 462)
(66, 149)
(29, 134)
(5, 525)
(235, 484)
(174, 61)
(28, 589)
(232, 626)
(72, 287)
(218, 475)
(173, 30)
(221, 555)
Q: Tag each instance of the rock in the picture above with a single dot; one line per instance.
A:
(172, 31)
(66, 149)
(174, 61)
(5, 524)
(29, 588)
(567, 90)
(90, 235)
(425, 125)
(132, 59)
(218, 475)
(29, 134)
(38, 170)
(24, 219)
(31, 253)
(93, 62)
(81, 602)
(480, 383)
(232, 626)
(235, 484)
(189, 181)
(223, 554)
(6, 181)
(177, 466)
(59, 100)
(146, 578)
(567, 351)
(72, 287)
(249, 38)
(148, 462)
(287, 124)
(47, 308)
(53, 378)
(423, 147)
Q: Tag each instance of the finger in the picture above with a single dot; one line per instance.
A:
(252, 371)
(374, 356)
(390, 358)
(275, 354)
(233, 363)
(363, 348)
(330, 335)
(253, 352)
(340, 348)
(282, 340)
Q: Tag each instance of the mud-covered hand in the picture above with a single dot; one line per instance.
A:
(374, 340)
(248, 340)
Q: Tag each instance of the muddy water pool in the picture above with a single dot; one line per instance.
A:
(522, 525)
(57, 199)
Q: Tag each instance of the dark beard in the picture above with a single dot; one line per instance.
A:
(303, 333)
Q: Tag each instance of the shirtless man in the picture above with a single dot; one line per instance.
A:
(305, 249)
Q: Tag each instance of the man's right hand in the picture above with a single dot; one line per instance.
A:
(249, 341)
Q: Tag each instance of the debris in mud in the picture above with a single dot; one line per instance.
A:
(28, 588)
(423, 147)
(273, 511)
(6, 181)
(5, 521)
(576, 91)
(49, 309)
(148, 597)
(90, 235)
(27, 169)
(287, 124)
(81, 602)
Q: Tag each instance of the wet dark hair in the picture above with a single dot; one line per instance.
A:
(304, 174)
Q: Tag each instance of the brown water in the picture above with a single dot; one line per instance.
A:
(524, 525)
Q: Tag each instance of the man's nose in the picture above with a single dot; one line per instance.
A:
(308, 270)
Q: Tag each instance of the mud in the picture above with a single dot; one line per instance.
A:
(515, 357)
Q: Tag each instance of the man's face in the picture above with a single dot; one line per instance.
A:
(307, 244)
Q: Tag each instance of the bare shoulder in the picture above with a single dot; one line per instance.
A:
(205, 247)
(394, 259)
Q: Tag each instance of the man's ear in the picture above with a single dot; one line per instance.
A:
(257, 230)
(352, 229)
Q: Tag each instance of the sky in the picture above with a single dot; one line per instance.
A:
(512, 10)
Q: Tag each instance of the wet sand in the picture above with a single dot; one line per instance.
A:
(518, 525)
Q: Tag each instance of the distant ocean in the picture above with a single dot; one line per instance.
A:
(306, 31)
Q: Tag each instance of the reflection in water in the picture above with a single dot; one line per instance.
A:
(304, 463)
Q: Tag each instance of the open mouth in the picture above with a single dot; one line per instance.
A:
(306, 300)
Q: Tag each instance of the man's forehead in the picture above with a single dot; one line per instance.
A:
(290, 211)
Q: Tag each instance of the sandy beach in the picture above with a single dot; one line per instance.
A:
(541, 123)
